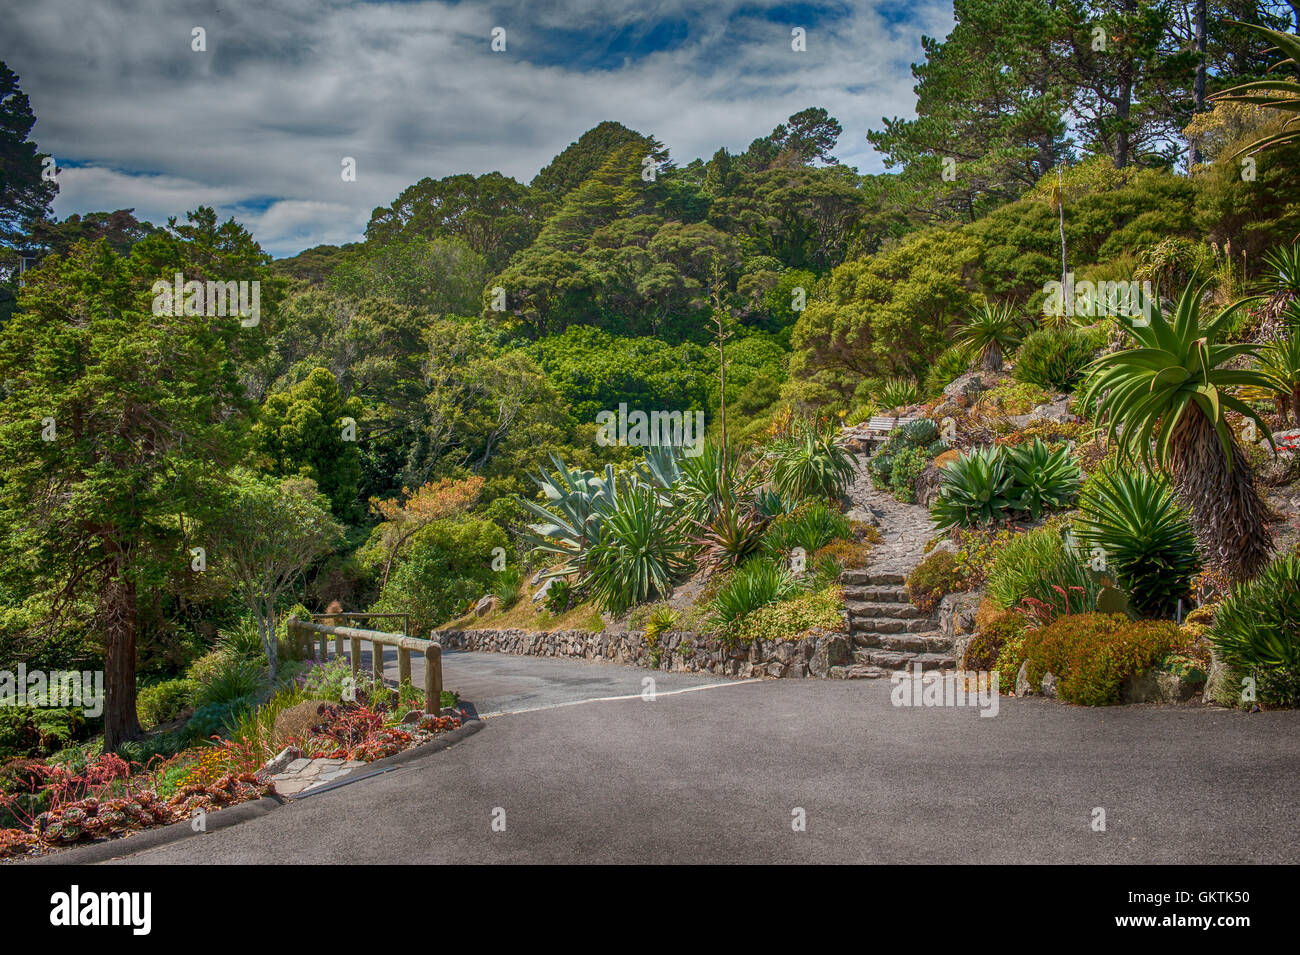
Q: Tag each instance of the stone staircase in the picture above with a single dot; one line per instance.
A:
(887, 633)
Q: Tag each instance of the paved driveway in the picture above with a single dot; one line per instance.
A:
(714, 775)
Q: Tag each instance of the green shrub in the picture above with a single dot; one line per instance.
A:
(559, 596)
(812, 525)
(447, 564)
(325, 681)
(984, 652)
(1091, 654)
(1144, 536)
(212, 719)
(1053, 359)
(234, 678)
(29, 731)
(163, 701)
(910, 446)
(755, 584)
(792, 618)
(975, 489)
(1256, 630)
(934, 578)
(908, 465)
(1031, 565)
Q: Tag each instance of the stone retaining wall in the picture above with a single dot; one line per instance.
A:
(677, 651)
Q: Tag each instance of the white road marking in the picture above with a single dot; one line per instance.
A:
(608, 699)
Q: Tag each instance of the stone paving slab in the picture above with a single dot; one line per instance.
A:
(304, 774)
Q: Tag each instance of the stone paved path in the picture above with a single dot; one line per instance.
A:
(886, 631)
(904, 528)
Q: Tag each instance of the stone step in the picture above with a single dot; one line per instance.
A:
(892, 595)
(872, 608)
(932, 642)
(917, 643)
(902, 660)
(857, 672)
(888, 625)
(872, 578)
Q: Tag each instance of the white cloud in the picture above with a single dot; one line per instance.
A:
(258, 124)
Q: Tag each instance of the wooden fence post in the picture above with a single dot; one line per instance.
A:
(433, 679)
(403, 666)
(356, 659)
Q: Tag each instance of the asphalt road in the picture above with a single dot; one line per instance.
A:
(715, 774)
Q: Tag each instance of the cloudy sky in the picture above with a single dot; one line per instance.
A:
(258, 124)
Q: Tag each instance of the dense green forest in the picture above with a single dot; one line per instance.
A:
(384, 421)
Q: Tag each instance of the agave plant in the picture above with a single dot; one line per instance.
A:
(1167, 401)
(991, 331)
(976, 489)
(640, 552)
(576, 504)
(1144, 537)
(1042, 478)
(661, 467)
(1282, 95)
(813, 463)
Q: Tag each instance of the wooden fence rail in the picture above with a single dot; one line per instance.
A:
(378, 639)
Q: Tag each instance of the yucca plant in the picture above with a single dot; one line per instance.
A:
(729, 536)
(1282, 95)
(1167, 401)
(707, 479)
(976, 489)
(1143, 535)
(755, 584)
(897, 393)
(1042, 478)
(813, 463)
(991, 331)
(640, 553)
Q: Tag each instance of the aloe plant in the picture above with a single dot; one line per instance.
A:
(1143, 535)
(1278, 94)
(1167, 401)
(1041, 478)
(976, 489)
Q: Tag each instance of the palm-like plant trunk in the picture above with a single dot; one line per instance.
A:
(992, 357)
(1226, 511)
